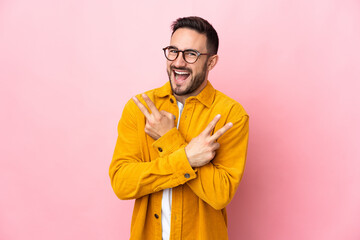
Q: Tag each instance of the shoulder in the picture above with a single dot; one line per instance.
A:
(229, 105)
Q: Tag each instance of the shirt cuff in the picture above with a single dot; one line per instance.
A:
(182, 169)
(169, 142)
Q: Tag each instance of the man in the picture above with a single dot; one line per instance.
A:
(181, 148)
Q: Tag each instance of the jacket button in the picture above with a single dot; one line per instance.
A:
(160, 149)
(187, 175)
(156, 216)
(171, 100)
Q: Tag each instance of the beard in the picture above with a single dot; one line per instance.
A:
(194, 83)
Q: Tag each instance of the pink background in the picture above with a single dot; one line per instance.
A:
(68, 67)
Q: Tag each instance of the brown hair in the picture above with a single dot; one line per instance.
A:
(201, 26)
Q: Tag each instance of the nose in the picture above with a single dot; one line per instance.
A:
(179, 61)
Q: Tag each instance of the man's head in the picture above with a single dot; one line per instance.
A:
(201, 26)
(188, 71)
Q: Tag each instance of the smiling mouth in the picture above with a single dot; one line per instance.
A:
(180, 76)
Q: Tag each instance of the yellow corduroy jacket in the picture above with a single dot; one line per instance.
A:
(142, 167)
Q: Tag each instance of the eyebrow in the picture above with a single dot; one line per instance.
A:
(190, 49)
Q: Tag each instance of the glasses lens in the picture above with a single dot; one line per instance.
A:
(171, 53)
(191, 56)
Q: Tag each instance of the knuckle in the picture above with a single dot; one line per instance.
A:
(210, 155)
(150, 124)
(221, 132)
(208, 141)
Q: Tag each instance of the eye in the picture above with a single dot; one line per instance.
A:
(191, 53)
(173, 50)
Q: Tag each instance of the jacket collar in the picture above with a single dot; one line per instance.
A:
(206, 96)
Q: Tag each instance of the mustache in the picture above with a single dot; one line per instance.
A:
(184, 69)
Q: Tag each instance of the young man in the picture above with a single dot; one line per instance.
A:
(181, 148)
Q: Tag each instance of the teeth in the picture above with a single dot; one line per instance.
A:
(181, 73)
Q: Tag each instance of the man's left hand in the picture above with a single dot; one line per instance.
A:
(157, 122)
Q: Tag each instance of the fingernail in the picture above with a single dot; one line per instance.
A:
(230, 124)
(218, 116)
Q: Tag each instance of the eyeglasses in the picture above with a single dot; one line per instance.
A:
(189, 55)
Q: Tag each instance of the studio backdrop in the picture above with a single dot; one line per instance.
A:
(67, 68)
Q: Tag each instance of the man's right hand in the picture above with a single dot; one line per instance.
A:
(202, 149)
(157, 122)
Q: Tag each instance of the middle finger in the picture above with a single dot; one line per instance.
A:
(151, 105)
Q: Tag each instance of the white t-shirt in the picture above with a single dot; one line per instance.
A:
(167, 198)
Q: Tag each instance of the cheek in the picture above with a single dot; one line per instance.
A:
(200, 68)
(168, 69)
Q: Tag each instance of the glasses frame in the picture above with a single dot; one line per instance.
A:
(198, 54)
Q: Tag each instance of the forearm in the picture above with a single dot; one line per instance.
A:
(216, 186)
(131, 178)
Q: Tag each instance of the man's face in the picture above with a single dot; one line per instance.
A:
(188, 79)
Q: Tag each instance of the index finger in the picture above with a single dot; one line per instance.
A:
(221, 131)
(151, 105)
(211, 125)
(142, 108)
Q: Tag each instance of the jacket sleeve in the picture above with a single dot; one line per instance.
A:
(217, 181)
(135, 170)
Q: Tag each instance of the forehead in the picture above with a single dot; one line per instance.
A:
(185, 38)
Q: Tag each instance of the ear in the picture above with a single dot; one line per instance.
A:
(212, 61)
